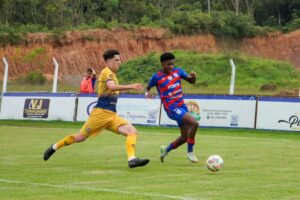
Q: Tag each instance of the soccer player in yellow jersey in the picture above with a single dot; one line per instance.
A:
(104, 114)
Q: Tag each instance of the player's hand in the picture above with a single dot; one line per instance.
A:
(193, 74)
(137, 86)
(148, 95)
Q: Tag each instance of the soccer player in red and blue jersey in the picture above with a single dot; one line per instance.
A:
(168, 84)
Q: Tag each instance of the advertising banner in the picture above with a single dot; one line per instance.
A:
(36, 108)
(278, 113)
(43, 106)
(86, 103)
(132, 107)
(139, 110)
(219, 111)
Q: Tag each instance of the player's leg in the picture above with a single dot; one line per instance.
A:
(68, 140)
(121, 126)
(192, 126)
(91, 126)
(175, 144)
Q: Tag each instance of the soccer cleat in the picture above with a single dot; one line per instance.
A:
(48, 153)
(191, 156)
(163, 153)
(136, 162)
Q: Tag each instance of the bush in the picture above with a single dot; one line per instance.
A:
(31, 28)
(293, 25)
(33, 54)
(35, 78)
(99, 23)
(9, 36)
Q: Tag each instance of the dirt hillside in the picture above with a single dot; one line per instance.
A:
(77, 50)
(276, 46)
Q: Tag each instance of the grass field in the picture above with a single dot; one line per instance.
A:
(258, 165)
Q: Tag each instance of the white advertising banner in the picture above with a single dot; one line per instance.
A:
(85, 106)
(278, 113)
(219, 111)
(211, 111)
(134, 108)
(41, 106)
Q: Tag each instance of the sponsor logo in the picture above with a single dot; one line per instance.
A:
(90, 107)
(234, 121)
(293, 121)
(152, 115)
(36, 108)
(194, 109)
(88, 130)
(173, 86)
(217, 114)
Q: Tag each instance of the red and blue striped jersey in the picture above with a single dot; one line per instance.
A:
(169, 87)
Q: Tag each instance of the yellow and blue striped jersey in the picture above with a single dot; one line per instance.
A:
(107, 99)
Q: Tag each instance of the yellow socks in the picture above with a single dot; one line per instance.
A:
(70, 139)
(130, 146)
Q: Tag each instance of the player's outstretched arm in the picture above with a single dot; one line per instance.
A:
(191, 77)
(114, 87)
(148, 95)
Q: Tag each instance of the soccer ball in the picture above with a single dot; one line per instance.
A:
(214, 163)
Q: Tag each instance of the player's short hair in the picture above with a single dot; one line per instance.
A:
(108, 54)
(89, 70)
(167, 56)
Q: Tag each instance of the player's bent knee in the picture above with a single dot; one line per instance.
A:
(80, 138)
(196, 124)
(132, 132)
(128, 129)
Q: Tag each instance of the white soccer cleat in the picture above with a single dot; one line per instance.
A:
(191, 156)
(163, 153)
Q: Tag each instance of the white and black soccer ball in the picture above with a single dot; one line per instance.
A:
(214, 163)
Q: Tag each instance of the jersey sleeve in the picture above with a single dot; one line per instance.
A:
(183, 73)
(106, 76)
(152, 81)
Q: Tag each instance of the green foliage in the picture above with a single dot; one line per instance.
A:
(146, 21)
(33, 54)
(214, 72)
(31, 28)
(99, 23)
(139, 70)
(181, 17)
(35, 78)
(293, 25)
(9, 36)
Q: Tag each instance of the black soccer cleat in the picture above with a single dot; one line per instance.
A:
(48, 153)
(136, 162)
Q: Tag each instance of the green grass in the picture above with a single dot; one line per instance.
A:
(214, 72)
(15, 86)
(258, 165)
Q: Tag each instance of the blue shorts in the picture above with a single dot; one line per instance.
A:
(177, 114)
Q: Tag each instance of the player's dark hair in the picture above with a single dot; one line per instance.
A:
(89, 70)
(167, 56)
(110, 54)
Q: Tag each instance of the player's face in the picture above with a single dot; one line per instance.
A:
(168, 65)
(88, 74)
(114, 63)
